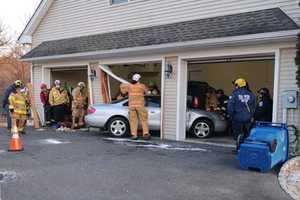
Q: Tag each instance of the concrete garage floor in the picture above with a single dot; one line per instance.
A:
(86, 165)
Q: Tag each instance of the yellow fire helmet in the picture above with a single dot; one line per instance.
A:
(18, 83)
(240, 82)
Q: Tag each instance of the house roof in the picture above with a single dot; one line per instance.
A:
(262, 21)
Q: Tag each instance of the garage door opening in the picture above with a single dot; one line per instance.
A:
(151, 77)
(70, 76)
(211, 124)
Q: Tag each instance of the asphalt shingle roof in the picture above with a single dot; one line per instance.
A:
(262, 21)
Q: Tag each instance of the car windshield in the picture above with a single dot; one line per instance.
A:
(117, 101)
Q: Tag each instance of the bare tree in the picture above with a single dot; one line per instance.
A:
(4, 41)
(18, 70)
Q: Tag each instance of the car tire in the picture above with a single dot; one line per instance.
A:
(202, 128)
(118, 127)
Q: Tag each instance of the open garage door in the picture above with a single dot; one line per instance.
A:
(151, 77)
(207, 75)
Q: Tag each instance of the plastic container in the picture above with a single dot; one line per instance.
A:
(266, 146)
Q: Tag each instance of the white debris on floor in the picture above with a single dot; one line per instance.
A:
(7, 176)
(53, 141)
(289, 177)
(152, 145)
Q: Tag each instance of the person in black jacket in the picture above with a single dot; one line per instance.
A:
(223, 101)
(264, 108)
(5, 102)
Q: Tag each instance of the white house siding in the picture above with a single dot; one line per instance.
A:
(72, 18)
(37, 75)
(96, 85)
(170, 101)
(288, 82)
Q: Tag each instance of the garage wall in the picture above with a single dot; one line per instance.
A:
(170, 102)
(288, 82)
(37, 75)
(219, 75)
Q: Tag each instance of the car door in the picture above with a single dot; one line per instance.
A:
(153, 106)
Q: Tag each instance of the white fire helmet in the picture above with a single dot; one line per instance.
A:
(57, 82)
(136, 77)
(81, 84)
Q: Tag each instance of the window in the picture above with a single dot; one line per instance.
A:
(118, 1)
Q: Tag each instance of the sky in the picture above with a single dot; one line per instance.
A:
(14, 14)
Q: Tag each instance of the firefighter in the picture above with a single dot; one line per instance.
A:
(241, 107)
(211, 102)
(59, 100)
(78, 105)
(136, 92)
(5, 103)
(18, 107)
(264, 108)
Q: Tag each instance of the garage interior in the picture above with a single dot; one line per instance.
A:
(150, 72)
(219, 74)
(70, 76)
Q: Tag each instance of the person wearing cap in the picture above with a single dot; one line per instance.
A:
(136, 99)
(78, 105)
(241, 108)
(264, 107)
(44, 97)
(59, 100)
(5, 101)
(18, 107)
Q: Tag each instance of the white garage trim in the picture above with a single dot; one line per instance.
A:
(162, 92)
(276, 85)
(181, 99)
(90, 85)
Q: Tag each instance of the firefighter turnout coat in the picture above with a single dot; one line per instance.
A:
(58, 97)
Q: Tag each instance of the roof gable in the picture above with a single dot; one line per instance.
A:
(34, 21)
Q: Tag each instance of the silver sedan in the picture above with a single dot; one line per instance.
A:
(114, 118)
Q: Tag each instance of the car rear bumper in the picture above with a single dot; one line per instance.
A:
(94, 121)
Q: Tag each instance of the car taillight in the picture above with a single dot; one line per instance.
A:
(91, 110)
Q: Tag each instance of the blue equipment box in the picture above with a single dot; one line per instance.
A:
(266, 146)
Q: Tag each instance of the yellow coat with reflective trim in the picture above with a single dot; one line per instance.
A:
(57, 98)
(136, 93)
(18, 103)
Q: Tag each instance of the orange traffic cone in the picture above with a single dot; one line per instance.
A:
(15, 142)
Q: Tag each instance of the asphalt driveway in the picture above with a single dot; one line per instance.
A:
(87, 165)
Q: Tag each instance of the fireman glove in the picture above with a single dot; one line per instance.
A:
(11, 110)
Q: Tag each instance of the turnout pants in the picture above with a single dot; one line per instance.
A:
(134, 115)
(240, 128)
(77, 113)
(18, 122)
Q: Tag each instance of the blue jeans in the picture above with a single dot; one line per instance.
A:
(8, 117)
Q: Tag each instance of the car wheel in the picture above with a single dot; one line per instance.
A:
(202, 128)
(118, 127)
